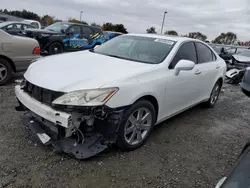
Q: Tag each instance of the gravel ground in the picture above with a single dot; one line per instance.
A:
(194, 149)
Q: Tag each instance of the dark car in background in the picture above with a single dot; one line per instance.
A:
(15, 28)
(112, 34)
(227, 51)
(67, 37)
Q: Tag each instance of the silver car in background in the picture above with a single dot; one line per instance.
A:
(16, 54)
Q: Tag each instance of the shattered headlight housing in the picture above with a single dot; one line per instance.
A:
(91, 97)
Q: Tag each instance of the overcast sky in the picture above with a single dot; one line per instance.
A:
(210, 17)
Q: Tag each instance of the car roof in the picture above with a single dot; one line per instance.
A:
(169, 37)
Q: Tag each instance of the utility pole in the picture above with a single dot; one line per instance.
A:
(81, 16)
(163, 21)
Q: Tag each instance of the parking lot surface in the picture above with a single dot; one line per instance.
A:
(193, 149)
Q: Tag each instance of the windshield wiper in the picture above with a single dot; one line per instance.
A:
(114, 56)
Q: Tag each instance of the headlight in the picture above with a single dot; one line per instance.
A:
(45, 35)
(93, 97)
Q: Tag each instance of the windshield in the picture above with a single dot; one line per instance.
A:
(246, 53)
(58, 27)
(136, 48)
(216, 48)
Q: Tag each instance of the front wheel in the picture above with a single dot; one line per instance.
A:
(214, 95)
(136, 125)
(6, 71)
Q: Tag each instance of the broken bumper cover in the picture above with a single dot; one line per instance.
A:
(49, 126)
(91, 146)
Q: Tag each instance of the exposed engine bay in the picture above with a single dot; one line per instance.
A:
(81, 132)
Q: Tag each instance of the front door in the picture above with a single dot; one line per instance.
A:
(74, 39)
(182, 91)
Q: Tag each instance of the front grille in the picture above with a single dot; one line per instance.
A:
(43, 95)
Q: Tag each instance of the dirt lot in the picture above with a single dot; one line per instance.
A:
(194, 149)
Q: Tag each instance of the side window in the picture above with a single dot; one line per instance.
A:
(86, 31)
(10, 26)
(186, 51)
(76, 29)
(204, 53)
(25, 26)
(35, 24)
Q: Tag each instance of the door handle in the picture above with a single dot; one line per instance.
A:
(197, 72)
(218, 66)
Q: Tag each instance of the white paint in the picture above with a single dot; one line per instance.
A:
(41, 109)
(87, 70)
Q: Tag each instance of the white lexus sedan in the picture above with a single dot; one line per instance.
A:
(82, 102)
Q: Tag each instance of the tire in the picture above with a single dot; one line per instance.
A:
(133, 129)
(6, 71)
(214, 95)
(55, 48)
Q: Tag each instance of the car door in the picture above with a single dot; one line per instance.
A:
(182, 91)
(14, 29)
(88, 35)
(74, 39)
(208, 69)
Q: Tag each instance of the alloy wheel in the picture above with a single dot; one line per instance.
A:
(3, 72)
(137, 126)
(215, 93)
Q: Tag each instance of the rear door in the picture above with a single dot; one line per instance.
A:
(74, 39)
(208, 69)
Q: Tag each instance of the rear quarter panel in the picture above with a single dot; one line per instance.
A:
(19, 50)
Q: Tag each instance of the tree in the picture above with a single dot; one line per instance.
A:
(73, 20)
(197, 35)
(114, 27)
(120, 28)
(226, 38)
(22, 14)
(95, 25)
(107, 26)
(171, 32)
(151, 30)
(47, 20)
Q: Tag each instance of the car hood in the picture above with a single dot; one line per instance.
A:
(241, 58)
(44, 31)
(82, 70)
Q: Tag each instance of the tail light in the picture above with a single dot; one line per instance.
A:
(36, 50)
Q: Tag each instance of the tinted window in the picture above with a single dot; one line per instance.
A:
(86, 31)
(187, 52)
(76, 29)
(97, 30)
(204, 53)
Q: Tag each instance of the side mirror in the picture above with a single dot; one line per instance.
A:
(96, 46)
(62, 31)
(183, 65)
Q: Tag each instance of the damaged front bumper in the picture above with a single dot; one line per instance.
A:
(78, 134)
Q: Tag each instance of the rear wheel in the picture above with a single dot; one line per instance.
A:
(55, 48)
(6, 71)
(214, 95)
(136, 125)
